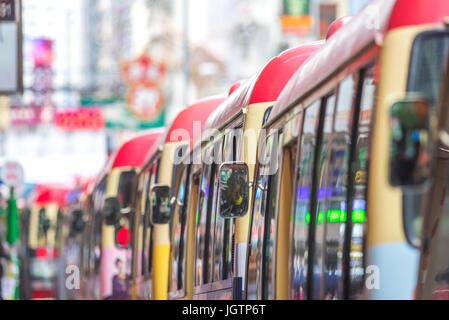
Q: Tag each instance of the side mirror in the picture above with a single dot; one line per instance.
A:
(77, 222)
(111, 211)
(410, 143)
(233, 189)
(160, 203)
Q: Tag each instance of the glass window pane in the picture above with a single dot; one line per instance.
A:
(203, 222)
(361, 184)
(262, 226)
(301, 214)
(321, 247)
(269, 229)
(335, 192)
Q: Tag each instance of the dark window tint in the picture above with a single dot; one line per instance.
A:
(360, 184)
(321, 257)
(203, 225)
(125, 188)
(180, 232)
(261, 268)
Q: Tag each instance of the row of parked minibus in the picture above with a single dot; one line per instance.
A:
(323, 176)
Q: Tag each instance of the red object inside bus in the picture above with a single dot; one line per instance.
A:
(123, 237)
(44, 253)
(47, 194)
(43, 294)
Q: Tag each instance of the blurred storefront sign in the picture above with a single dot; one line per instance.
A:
(43, 72)
(117, 115)
(145, 101)
(25, 117)
(296, 17)
(30, 116)
(42, 52)
(143, 70)
(328, 14)
(11, 64)
(80, 119)
(12, 174)
(145, 97)
(7, 10)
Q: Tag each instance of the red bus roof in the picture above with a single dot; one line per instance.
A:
(51, 194)
(197, 112)
(188, 124)
(131, 154)
(266, 85)
(415, 12)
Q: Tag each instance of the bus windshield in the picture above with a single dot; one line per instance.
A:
(428, 64)
(125, 188)
(427, 69)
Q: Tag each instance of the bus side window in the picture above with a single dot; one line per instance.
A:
(97, 226)
(203, 223)
(85, 258)
(147, 247)
(324, 169)
(180, 231)
(139, 226)
(301, 218)
(359, 192)
(260, 269)
(337, 189)
(223, 240)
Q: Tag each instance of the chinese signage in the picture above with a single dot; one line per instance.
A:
(24, 116)
(143, 76)
(80, 119)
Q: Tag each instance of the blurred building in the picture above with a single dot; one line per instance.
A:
(206, 45)
(63, 23)
(55, 74)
